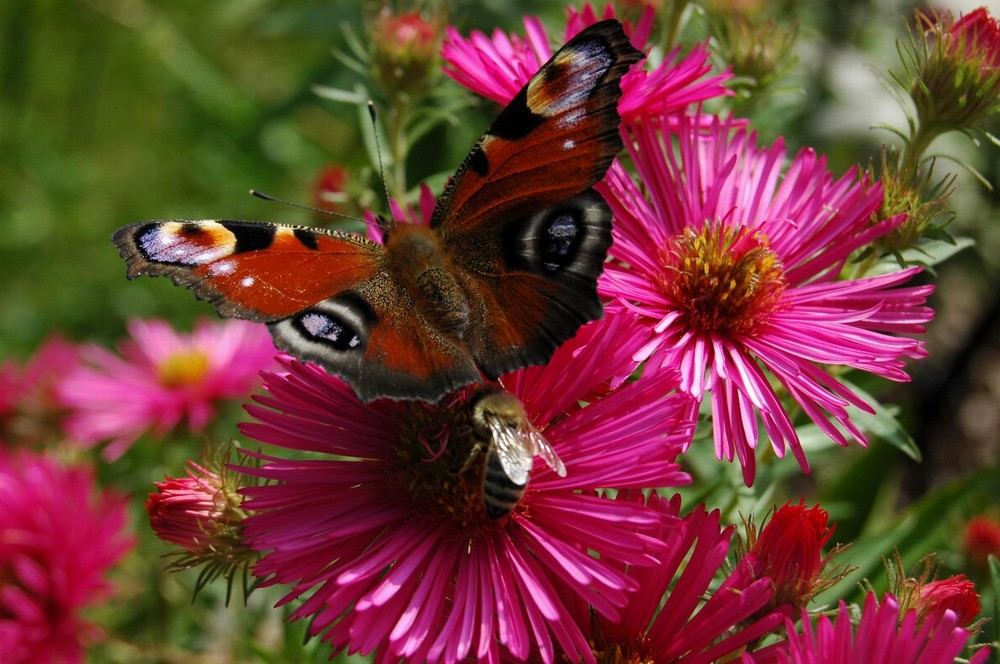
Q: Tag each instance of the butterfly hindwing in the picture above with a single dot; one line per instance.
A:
(371, 338)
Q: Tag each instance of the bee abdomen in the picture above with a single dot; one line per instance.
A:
(500, 494)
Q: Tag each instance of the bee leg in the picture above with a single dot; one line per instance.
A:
(476, 449)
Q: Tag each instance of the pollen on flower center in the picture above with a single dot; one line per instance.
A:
(184, 367)
(725, 280)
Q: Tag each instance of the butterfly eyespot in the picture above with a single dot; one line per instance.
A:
(571, 237)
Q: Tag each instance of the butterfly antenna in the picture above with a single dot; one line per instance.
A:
(391, 221)
(274, 199)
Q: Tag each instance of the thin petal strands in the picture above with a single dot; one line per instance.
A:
(669, 619)
(881, 637)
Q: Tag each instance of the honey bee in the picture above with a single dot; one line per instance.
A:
(512, 442)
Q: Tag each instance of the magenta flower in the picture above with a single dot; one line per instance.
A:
(163, 378)
(734, 264)
(498, 67)
(58, 538)
(881, 637)
(669, 618)
(385, 539)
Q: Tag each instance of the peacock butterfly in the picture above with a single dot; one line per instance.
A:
(505, 272)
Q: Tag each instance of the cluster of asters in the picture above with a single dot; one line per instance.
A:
(60, 533)
(724, 293)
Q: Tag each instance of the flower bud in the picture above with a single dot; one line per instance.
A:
(957, 67)
(404, 52)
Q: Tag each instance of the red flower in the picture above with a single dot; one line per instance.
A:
(955, 593)
(789, 551)
(976, 37)
(957, 73)
(404, 51)
(328, 192)
(981, 540)
(196, 512)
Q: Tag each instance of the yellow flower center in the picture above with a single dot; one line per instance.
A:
(724, 280)
(185, 367)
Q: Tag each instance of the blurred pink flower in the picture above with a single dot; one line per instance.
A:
(679, 614)
(59, 536)
(161, 378)
(385, 539)
(498, 67)
(30, 411)
(733, 262)
(881, 637)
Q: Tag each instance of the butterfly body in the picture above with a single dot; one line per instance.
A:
(504, 272)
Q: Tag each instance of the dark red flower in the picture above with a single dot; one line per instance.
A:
(789, 551)
(955, 593)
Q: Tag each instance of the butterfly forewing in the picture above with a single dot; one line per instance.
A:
(556, 137)
(252, 270)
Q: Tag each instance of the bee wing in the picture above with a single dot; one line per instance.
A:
(513, 450)
(540, 446)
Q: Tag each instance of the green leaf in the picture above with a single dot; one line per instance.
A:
(882, 424)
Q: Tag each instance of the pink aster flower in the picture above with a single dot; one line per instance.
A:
(58, 538)
(679, 614)
(498, 67)
(383, 534)
(161, 378)
(881, 637)
(734, 264)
